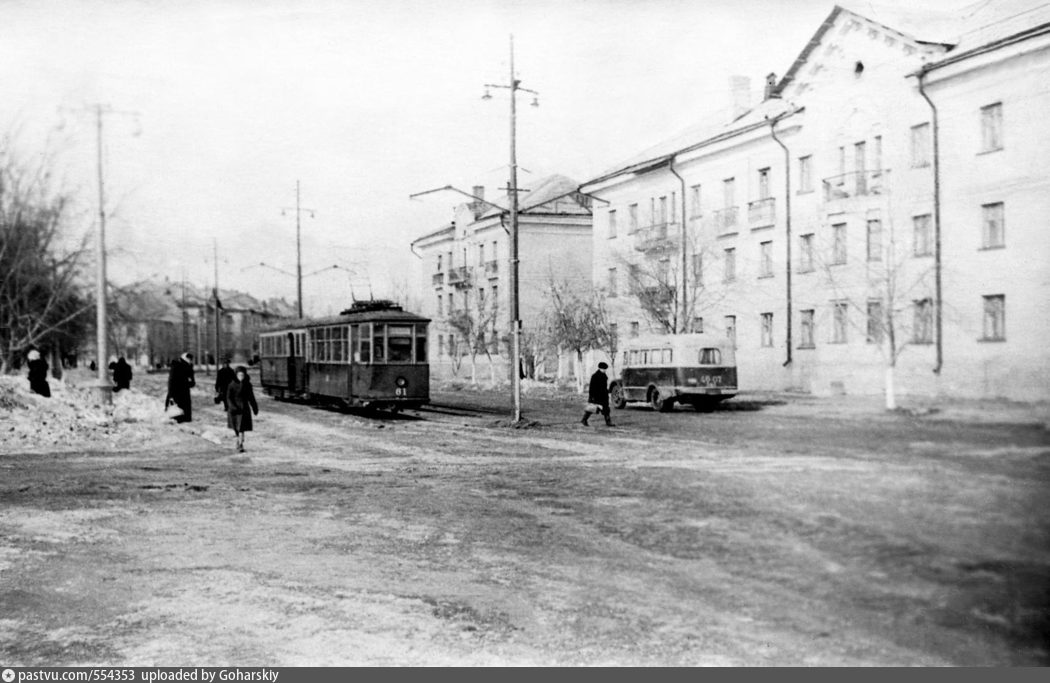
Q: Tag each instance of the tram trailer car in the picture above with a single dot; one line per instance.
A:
(697, 370)
(372, 355)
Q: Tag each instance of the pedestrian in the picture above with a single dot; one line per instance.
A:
(223, 377)
(240, 399)
(598, 395)
(180, 381)
(121, 375)
(38, 374)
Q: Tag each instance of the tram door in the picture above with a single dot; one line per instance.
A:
(296, 362)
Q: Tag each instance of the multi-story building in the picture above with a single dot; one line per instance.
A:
(856, 219)
(466, 276)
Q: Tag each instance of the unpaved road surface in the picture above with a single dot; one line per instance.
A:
(764, 533)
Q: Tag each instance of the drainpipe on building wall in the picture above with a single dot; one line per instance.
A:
(685, 259)
(787, 224)
(938, 317)
(412, 248)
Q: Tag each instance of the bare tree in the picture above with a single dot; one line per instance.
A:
(474, 327)
(889, 297)
(655, 281)
(578, 321)
(40, 303)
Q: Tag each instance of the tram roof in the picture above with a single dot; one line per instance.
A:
(382, 316)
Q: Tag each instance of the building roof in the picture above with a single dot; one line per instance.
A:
(163, 301)
(991, 21)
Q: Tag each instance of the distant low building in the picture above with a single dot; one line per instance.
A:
(151, 323)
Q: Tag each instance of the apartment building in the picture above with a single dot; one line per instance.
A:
(883, 205)
(466, 276)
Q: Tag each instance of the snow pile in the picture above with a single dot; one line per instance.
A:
(72, 418)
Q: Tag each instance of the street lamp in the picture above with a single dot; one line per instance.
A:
(298, 248)
(512, 190)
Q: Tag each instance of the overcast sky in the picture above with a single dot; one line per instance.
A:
(364, 102)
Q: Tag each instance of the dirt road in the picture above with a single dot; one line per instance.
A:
(765, 534)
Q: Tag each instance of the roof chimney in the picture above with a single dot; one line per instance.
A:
(771, 86)
(478, 206)
(740, 96)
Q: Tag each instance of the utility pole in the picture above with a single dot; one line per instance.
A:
(105, 388)
(298, 248)
(512, 189)
(218, 317)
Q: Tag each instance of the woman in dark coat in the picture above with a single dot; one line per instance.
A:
(38, 374)
(240, 406)
(121, 375)
(180, 381)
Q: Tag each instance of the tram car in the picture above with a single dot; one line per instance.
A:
(372, 355)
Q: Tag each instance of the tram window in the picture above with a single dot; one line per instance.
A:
(636, 357)
(625, 358)
(421, 343)
(399, 341)
(710, 357)
(364, 353)
(378, 343)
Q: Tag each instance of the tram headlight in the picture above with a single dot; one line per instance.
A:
(401, 382)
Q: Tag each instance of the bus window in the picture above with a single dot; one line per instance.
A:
(421, 343)
(399, 343)
(710, 356)
(378, 343)
(668, 357)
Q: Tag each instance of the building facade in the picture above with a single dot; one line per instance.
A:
(883, 206)
(466, 280)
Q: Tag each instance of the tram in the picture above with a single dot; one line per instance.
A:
(372, 355)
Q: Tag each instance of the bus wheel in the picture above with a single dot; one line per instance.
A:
(617, 397)
(659, 403)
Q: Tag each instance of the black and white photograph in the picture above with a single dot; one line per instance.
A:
(523, 333)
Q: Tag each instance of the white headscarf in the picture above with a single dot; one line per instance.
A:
(34, 354)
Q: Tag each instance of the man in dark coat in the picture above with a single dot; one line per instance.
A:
(240, 399)
(598, 394)
(223, 377)
(38, 374)
(121, 375)
(180, 381)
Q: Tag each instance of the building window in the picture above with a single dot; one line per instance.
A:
(495, 250)
(439, 263)
(729, 274)
(767, 329)
(838, 246)
(923, 235)
(695, 201)
(992, 127)
(634, 329)
(698, 325)
(481, 298)
(806, 329)
(805, 257)
(663, 271)
(441, 345)
(495, 299)
(805, 174)
(674, 207)
(994, 233)
(614, 331)
(451, 304)
(995, 317)
(729, 193)
(874, 239)
(612, 282)
(661, 217)
(763, 183)
(920, 145)
(922, 329)
(698, 268)
(875, 323)
(877, 161)
(612, 224)
(765, 260)
(440, 308)
(730, 321)
(481, 254)
(632, 219)
(839, 321)
(633, 278)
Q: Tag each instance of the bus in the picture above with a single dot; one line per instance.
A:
(697, 369)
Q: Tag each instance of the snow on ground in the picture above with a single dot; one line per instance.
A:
(72, 418)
